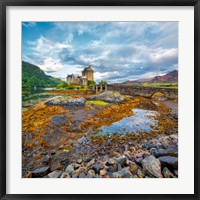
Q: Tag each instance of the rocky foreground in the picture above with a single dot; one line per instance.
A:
(55, 143)
(157, 158)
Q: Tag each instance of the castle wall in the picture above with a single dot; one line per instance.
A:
(84, 81)
(88, 76)
(69, 80)
(77, 81)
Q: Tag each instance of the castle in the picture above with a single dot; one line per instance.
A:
(87, 75)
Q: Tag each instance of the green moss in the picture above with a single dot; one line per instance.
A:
(97, 102)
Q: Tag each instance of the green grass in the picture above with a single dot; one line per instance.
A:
(96, 102)
(167, 84)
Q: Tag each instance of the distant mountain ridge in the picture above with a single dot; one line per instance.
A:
(33, 76)
(169, 77)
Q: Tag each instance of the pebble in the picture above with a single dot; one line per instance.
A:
(97, 167)
(132, 149)
(76, 166)
(127, 154)
(90, 163)
(110, 162)
(110, 174)
(116, 175)
(139, 161)
(140, 173)
(88, 176)
(125, 173)
(40, 172)
(55, 166)
(53, 152)
(152, 167)
(80, 170)
(169, 161)
(165, 141)
(91, 173)
(119, 167)
(79, 161)
(116, 154)
(153, 151)
(65, 175)
(97, 176)
(37, 156)
(121, 161)
(110, 169)
(69, 169)
(166, 173)
(103, 172)
(46, 159)
(82, 175)
(170, 151)
(176, 172)
(29, 175)
(133, 168)
(55, 174)
(75, 176)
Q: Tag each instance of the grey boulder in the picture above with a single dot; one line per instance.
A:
(152, 167)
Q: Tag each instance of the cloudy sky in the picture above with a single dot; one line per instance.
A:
(117, 51)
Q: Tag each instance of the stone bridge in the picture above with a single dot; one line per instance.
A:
(99, 88)
(170, 93)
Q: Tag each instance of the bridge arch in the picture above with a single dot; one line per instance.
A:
(156, 95)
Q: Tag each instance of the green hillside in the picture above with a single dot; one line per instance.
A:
(32, 76)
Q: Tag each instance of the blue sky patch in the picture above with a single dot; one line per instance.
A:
(117, 51)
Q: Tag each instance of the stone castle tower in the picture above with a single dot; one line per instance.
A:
(88, 72)
(87, 75)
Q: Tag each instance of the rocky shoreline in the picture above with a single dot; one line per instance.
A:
(157, 158)
(147, 155)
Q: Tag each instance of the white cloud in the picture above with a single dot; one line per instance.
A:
(116, 50)
(43, 45)
(50, 65)
(29, 24)
(162, 55)
(70, 37)
(46, 53)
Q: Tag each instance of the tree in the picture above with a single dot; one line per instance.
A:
(33, 76)
(65, 85)
(103, 82)
(90, 83)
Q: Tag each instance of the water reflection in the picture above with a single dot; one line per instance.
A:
(32, 96)
(141, 121)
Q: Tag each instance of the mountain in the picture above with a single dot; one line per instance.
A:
(32, 76)
(144, 80)
(169, 77)
(129, 82)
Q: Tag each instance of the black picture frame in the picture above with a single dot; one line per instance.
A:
(5, 3)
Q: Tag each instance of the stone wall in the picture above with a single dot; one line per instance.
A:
(144, 91)
(89, 75)
(88, 72)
